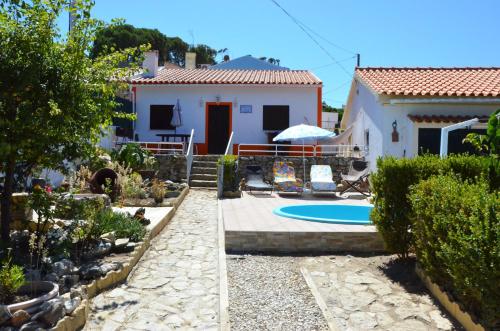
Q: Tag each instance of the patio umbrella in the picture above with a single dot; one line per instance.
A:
(303, 132)
(176, 116)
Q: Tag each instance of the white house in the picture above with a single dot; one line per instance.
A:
(254, 104)
(399, 111)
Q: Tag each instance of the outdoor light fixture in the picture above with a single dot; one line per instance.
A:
(217, 98)
(235, 102)
(201, 102)
(395, 133)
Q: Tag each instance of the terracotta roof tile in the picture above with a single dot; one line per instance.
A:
(445, 118)
(214, 76)
(433, 82)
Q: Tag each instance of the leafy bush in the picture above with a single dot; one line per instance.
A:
(124, 225)
(392, 212)
(11, 279)
(134, 156)
(457, 241)
(230, 174)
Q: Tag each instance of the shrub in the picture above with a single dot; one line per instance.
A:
(124, 225)
(11, 279)
(392, 212)
(230, 174)
(457, 241)
(134, 156)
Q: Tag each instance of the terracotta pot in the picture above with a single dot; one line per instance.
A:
(50, 290)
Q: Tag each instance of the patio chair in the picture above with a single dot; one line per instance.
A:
(356, 178)
(254, 180)
(321, 179)
(284, 179)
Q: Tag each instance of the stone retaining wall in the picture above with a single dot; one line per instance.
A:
(302, 242)
(172, 167)
(338, 164)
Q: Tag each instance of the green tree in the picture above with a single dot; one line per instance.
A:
(54, 99)
(329, 109)
(490, 142)
(171, 49)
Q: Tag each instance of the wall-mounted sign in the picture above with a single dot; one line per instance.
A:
(245, 109)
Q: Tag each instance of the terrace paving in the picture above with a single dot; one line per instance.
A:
(175, 285)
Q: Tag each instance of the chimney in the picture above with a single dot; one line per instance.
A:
(150, 63)
(190, 60)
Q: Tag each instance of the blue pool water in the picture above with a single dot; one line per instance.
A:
(337, 214)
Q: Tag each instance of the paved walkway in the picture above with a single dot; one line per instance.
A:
(369, 294)
(175, 285)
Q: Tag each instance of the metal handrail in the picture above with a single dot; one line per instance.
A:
(178, 147)
(307, 150)
(189, 155)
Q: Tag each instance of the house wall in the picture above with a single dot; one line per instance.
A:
(247, 127)
(366, 114)
(408, 130)
(376, 114)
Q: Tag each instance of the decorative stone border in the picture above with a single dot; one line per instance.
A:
(78, 318)
(452, 307)
(223, 290)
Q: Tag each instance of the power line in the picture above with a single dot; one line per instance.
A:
(337, 88)
(332, 63)
(302, 27)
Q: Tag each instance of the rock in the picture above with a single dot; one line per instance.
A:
(121, 243)
(50, 312)
(32, 326)
(7, 328)
(109, 237)
(5, 314)
(19, 318)
(90, 272)
(70, 280)
(77, 293)
(409, 325)
(408, 312)
(107, 267)
(63, 267)
(52, 277)
(71, 305)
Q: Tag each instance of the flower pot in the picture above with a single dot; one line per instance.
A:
(46, 290)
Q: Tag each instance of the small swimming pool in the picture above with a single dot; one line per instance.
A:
(332, 213)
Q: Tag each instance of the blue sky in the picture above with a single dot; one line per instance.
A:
(385, 33)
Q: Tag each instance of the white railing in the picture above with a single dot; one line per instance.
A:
(220, 169)
(189, 156)
(162, 148)
(302, 150)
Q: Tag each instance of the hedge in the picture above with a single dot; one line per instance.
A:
(457, 241)
(392, 212)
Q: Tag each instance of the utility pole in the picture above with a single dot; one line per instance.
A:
(358, 60)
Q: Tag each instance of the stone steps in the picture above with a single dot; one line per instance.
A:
(203, 170)
(205, 164)
(201, 176)
(203, 183)
(212, 158)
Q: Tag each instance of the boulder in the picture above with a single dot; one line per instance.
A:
(52, 277)
(63, 267)
(50, 312)
(70, 280)
(19, 318)
(5, 314)
(109, 237)
(71, 304)
(33, 326)
(121, 243)
(90, 272)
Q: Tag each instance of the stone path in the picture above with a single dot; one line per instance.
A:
(175, 285)
(372, 294)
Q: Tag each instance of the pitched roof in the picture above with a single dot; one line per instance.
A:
(446, 118)
(444, 82)
(247, 62)
(236, 77)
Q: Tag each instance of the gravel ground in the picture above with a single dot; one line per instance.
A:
(269, 293)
